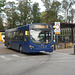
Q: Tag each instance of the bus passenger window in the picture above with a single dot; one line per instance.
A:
(16, 35)
(21, 35)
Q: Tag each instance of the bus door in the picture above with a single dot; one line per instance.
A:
(47, 36)
(26, 41)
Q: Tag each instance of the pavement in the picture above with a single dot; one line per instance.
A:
(66, 50)
(59, 62)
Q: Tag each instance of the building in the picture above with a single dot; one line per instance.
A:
(66, 37)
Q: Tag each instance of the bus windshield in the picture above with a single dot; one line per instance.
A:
(41, 36)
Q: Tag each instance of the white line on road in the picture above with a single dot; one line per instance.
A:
(15, 55)
(4, 57)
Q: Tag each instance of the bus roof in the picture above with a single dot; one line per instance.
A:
(23, 27)
(18, 28)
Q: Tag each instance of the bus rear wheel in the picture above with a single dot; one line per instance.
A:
(20, 49)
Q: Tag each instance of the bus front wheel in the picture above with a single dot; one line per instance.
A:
(20, 49)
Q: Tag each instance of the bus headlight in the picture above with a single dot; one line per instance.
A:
(52, 46)
(31, 47)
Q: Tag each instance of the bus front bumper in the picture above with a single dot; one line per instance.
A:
(41, 49)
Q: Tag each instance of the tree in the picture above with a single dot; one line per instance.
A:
(36, 13)
(67, 6)
(12, 15)
(47, 4)
(52, 10)
(1, 23)
(56, 7)
(2, 4)
(25, 12)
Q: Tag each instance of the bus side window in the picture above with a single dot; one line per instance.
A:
(21, 35)
(9, 35)
(26, 37)
(16, 35)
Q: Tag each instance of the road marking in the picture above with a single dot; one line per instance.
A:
(12, 57)
(15, 55)
(4, 57)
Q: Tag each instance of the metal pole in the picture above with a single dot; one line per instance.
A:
(74, 48)
(72, 15)
(57, 38)
(57, 41)
(54, 43)
(54, 47)
(41, 19)
(74, 44)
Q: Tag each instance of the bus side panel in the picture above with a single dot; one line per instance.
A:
(15, 45)
(25, 46)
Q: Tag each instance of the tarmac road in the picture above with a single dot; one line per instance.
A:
(5, 50)
(56, 63)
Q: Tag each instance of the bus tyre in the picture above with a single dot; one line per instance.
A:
(20, 49)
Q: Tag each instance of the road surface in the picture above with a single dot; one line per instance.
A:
(56, 63)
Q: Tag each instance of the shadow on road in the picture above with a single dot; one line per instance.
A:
(36, 54)
(31, 54)
(5, 50)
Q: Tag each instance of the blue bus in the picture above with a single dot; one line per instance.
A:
(30, 38)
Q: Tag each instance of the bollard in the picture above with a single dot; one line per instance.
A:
(54, 47)
(74, 48)
(54, 43)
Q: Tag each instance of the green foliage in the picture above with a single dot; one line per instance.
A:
(1, 23)
(12, 15)
(47, 4)
(51, 13)
(2, 3)
(18, 15)
(55, 6)
(67, 6)
(36, 13)
(24, 13)
(24, 9)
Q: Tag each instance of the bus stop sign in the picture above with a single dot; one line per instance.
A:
(57, 29)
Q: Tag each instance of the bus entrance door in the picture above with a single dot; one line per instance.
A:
(26, 41)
